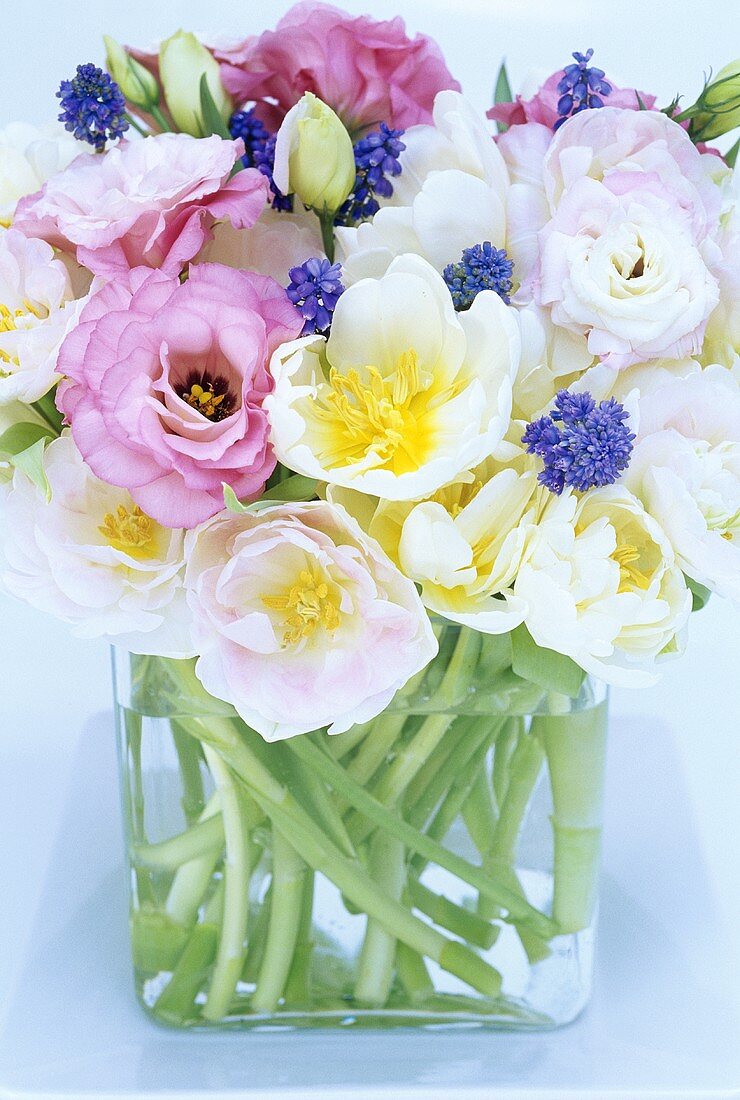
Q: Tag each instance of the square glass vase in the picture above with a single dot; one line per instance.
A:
(436, 866)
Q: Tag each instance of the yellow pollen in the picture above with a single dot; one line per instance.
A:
(204, 400)
(388, 417)
(309, 604)
(130, 531)
(456, 497)
(630, 576)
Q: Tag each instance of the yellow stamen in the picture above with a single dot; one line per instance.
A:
(630, 575)
(204, 400)
(309, 604)
(130, 531)
(390, 418)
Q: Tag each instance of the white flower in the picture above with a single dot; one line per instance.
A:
(301, 620)
(527, 209)
(552, 359)
(274, 244)
(405, 395)
(37, 309)
(622, 269)
(601, 586)
(722, 338)
(451, 194)
(29, 156)
(92, 558)
(465, 545)
(686, 469)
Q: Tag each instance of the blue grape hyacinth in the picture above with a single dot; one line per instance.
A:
(376, 161)
(581, 87)
(582, 444)
(93, 106)
(315, 286)
(481, 267)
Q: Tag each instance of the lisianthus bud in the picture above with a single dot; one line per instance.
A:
(717, 110)
(314, 158)
(183, 62)
(137, 84)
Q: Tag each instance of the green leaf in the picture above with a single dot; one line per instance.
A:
(731, 156)
(699, 594)
(502, 93)
(552, 671)
(232, 502)
(640, 102)
(211, 118)
(22, 445)
(295, 488)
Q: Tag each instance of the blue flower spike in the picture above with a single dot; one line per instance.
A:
(93, 107)
(581, 87)
(376, 161)
(582, 444)
(314, 289)
(481, 267)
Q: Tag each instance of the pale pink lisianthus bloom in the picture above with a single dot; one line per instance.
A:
(300, 619)
(542, 107)
(165, 383)
(368, 71)
(152, 203)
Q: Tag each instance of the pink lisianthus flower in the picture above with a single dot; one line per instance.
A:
(542, 107)
(165, 383)
(300, 619)
(368, 71)
(146, 203)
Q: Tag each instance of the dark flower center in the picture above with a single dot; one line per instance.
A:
(209, 394)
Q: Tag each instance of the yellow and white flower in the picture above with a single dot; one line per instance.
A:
(92, 558)
(405, 395)
(686, 469)
(602, 586)
(38, 307)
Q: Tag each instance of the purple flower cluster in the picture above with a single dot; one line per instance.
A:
(481, 267)
(581, 444)
(581, 87)
(259, 144)
(376, 160)
(93, 106)
(314, 289)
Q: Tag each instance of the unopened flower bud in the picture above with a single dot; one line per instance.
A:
(718, 107)
(314, 157)
(137, 84)
(183, 62)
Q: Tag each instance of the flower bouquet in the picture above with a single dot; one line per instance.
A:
(377, 440)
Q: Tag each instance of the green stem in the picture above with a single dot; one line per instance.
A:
(466, 737)
(159, 118)
(505, 746)
(136, 125)
(479, 812)
(232, 941)
(189, 756)
(297, 986)
(447, 914)
(201, 839)
(416, 841)
(413, 974)
(386, 865)
(342, 744)
(47, 410)
(288, 877)
(176, 1002)
(575, 745)
(326, 221)
(192, 879)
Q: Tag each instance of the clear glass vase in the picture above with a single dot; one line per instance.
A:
(438, 865)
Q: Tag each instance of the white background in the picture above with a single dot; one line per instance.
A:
(52, 684)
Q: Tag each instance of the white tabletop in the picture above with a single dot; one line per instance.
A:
(664, 1020)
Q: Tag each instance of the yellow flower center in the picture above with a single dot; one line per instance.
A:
(631, 576)
(129, 531)
(308, 605)
(205, 401)
(5, 223)
(390, 417)
(9, 323)
(456, 497)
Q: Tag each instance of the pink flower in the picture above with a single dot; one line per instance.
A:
(543, 106)
(151, 202)
(300, 619)
(367, 71)
(165, 384)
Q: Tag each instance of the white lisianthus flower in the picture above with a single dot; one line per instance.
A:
(405, 395)
(621, 269)
(527, 209)
(29, 156)
(277, 242)
(450, 195)
(686, 469)
(601, 585)
(301, 620)
(92, 558)
(722, 337)
(38, 308)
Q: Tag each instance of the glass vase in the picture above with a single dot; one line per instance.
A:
(436, 866)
